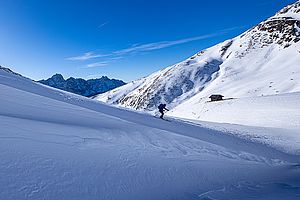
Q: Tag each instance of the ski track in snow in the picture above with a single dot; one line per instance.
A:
(56, 145)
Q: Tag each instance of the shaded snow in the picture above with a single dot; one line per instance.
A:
(56, 145)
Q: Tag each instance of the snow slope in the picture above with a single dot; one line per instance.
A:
(268, 119)
(57, 145)
(278, 111)
(252, 64)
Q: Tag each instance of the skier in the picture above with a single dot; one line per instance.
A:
(161, 109)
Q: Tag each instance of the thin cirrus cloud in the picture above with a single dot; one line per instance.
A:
(159, 45)
(165, 44)
(86, 56)
(138, 48)
(102, 25)
(96, 64)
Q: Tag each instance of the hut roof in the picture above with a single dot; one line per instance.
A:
(216, 95)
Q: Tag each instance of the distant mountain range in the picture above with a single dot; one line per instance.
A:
(83, 87)
(265, 60)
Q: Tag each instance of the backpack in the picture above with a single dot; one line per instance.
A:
(161, 107)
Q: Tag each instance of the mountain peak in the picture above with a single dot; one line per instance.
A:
(283, 28)
(289, 10)
(58, 78)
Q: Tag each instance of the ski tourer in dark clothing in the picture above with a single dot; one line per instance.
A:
(161, 109)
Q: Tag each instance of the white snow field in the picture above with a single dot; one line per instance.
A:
(278, 117)
(57, 145)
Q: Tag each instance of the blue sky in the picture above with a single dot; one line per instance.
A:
(118, 38)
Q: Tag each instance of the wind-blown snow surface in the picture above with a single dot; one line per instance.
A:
(262, 61)
(269, 119)
(57, 145)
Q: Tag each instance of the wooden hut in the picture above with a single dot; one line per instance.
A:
(216, 97)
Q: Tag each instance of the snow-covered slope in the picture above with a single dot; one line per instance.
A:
(277, 115)
(262, 61)
(57, 145)
(279, 111)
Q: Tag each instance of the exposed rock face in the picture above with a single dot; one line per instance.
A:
(283, 28)
(83, 87)
(179, 83)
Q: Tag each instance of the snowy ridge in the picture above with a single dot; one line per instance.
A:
(252, 64)
(58, 145)
(9, 71)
